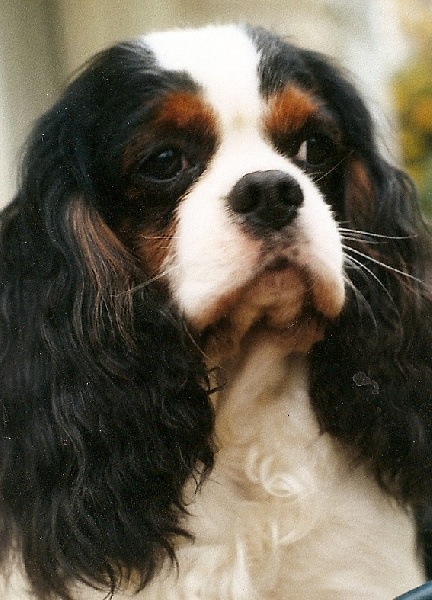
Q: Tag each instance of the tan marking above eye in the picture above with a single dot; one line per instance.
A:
(289, 110)
(183, 114)
(185, 109)
(166, 153)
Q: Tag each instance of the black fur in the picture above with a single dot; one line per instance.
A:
(104, 410)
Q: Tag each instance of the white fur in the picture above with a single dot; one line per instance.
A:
(213, 257)
(223, 59)
(285, 516)
(207, 56)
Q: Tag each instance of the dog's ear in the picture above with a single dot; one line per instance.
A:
(103, 409)
(372, 375)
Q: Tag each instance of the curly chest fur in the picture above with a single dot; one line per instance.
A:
(281, 495)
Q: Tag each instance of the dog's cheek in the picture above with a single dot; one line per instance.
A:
(153, 247)
(320, 253)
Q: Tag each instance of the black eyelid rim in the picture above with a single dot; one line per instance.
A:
(322, 125)
(188, 175)
(153, 152)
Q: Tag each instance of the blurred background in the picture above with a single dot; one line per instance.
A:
(386, 44)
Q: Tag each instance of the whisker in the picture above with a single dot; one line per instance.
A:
(159, 237)
(361, 300)
(368, 272)
(323, 175)
(365, 269)
(384, 265)
(368, 234)
(349, 238)
(217, 370)
(147, 282)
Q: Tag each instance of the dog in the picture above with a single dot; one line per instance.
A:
(216, 335)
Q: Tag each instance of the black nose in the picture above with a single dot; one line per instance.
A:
(266, 199)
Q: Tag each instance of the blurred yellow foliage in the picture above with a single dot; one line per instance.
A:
(422, 113)
(413, 97)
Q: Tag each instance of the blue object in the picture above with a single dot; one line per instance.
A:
(424, 592)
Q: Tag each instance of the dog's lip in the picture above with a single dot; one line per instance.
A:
(277, 307)
(277, 289)
(323, 294)
(327, 293)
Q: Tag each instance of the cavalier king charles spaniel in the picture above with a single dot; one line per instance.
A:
(216, 339)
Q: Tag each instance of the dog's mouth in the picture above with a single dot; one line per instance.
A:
(283, 303)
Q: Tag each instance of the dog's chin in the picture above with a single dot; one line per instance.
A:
(279, 306)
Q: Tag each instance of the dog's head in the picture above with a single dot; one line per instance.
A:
(222, 162)
(227, 180)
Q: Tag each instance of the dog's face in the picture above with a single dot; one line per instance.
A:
(231, 164)
(231, 178)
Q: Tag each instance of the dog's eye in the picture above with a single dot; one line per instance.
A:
(164, 165)
(315, 151)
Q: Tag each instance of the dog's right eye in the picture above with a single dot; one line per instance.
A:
(164, 165)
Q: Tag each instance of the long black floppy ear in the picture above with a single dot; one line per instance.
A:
(372, 375)
(103, 409)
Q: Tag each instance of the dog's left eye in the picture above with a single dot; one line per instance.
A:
(164, 165)
(315, 151)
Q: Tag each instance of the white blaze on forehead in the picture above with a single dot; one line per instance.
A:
(222, 60)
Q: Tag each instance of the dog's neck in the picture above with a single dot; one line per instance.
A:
(263, 414)
(281, 482)
(257, 379)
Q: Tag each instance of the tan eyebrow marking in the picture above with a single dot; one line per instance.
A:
(289, 110)
(184, 109)
(179, 111)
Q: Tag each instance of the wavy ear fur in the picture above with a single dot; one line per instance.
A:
(372, 375)
(104, 413)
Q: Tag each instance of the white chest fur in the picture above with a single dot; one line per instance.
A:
(284, 515)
